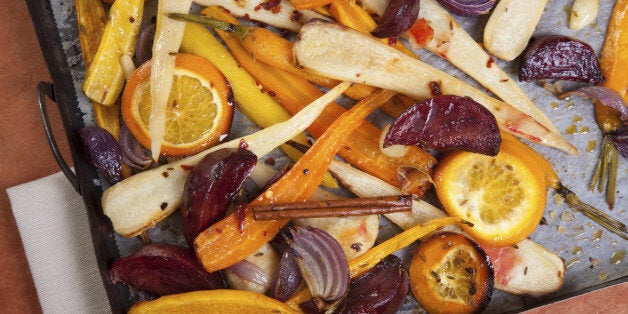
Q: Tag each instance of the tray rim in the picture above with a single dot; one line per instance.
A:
(103, 236)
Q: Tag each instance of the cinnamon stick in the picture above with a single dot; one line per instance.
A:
(334, 208)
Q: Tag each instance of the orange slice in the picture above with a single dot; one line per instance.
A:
(199, 110)
(213, 301)
(503, 196)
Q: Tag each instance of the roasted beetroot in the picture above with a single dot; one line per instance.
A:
(211, 186)
(162, 269)
(380, 290)
(444, 123)
(398, 17)
(104, 152)
(468, 7)
(560, 58)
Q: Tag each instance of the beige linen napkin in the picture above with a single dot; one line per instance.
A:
(53, 224)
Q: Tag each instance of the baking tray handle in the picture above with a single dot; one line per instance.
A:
(45, 89)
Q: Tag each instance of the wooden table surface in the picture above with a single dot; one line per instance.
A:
(25, 156)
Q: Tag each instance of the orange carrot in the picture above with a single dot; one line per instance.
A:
(294, 93)
(309, 4)
(231, 240)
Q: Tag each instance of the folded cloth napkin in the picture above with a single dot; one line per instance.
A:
(53, 224)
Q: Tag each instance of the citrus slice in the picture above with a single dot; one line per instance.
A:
(449, 273)
(199, 110)
(503, 196)
(213, 301)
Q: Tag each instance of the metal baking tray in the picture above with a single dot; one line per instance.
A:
(577, 241)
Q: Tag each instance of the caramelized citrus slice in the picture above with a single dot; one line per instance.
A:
(503, 196)
(199, 110)
(451, 274)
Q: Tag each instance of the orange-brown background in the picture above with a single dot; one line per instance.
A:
(25, 156)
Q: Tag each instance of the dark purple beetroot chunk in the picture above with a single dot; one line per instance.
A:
(447, 122)
(162, 269)
(211, 186)
(560, 58)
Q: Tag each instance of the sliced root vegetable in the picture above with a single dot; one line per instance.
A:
(256, 272)
(447, 123)
(454, 44)
(235, 237)
(104, 77)
(168, 37)
(160, 188)
(398, 17)
(510, 27)
(526, 268)
(253, 102)
(92, 20)
(614, 60)
(329, 49)
(280, 14)
(468, 7)
(560, 57)
(361, 149)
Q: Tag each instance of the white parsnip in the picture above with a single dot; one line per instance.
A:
(341, 53)
(455, 45)
(510, 27)
(140, 201)
(285, 17)
(168, 36)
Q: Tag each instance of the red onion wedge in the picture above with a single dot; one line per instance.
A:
(323, 264)
(560, 58)
(620, 139)
(144, 50)
(133, 154)
(162, 269)
(447, 122)
(468, 7)
(104, 152)
(381, 290)
(288, 277)
(397, 19)
(250, 272)
(211, 186)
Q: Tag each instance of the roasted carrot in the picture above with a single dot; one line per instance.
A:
(309, 4)
(614, 62)
(254, 103)
(92, 19)
(231, 239)
(268, 47)
(361, 149)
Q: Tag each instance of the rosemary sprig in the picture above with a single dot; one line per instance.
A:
(238, 30)
(593, 213)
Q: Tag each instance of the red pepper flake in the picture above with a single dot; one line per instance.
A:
(186, 167)
(271, 93)
(356, 246)
(435, 88)
(243, 144)
(165, 174)
(132, 20)
(392, 41)
(422, 32)
(246, 17)
(163, 205)
(218, 230)
(270, 161)
(357, 75)
(296, 16)
(265, 234)
(490, 62)
(503, 80)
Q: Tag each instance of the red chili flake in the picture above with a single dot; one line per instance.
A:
(218, 230)
(392, 41)
(186, 167)
(265, 234)
(258, 7)
(422, 32)
(165, 174)
(246, 17)
(503, 80)
(296, 16)
(270, 161)
(271, 93)
(435, 88)
(132, 19)
(356, 246)
(243, 144)
(163, 205)
(490, 62)
(357, 75)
